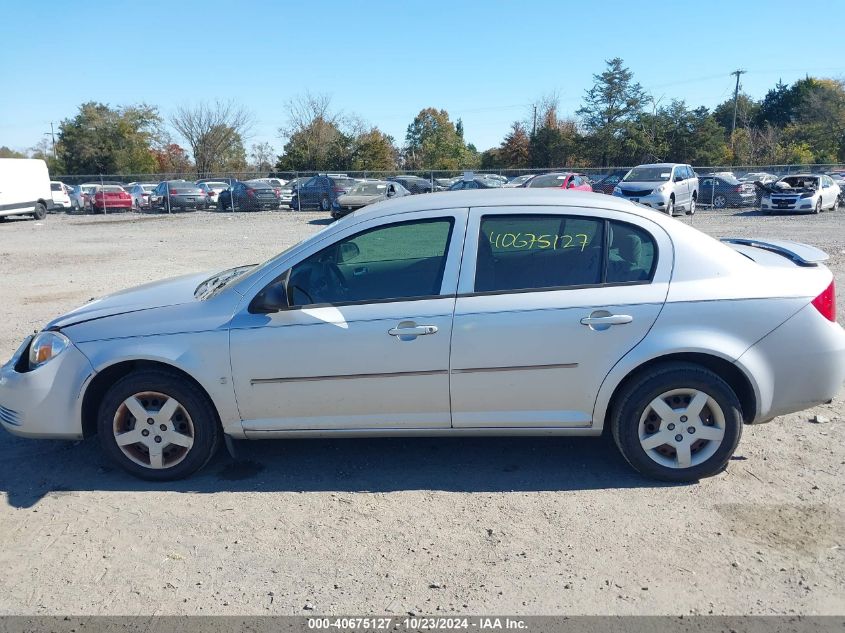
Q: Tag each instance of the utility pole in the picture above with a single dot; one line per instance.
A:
(534, 124)
(736, 100)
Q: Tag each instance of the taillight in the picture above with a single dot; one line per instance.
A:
(250, 193)
(737, 188)
(825, 303)
(339, 190)
(173, 192)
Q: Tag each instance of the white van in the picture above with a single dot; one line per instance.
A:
(24, 187)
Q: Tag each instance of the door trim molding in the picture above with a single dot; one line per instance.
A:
(473, 370)
(391, 374)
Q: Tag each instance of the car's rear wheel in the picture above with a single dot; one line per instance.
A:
(678, 422)
(325, 204)
(720, 201)
(40, 211)
(157, 425)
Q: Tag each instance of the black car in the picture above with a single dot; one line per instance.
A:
(252, 195)
(478, 182)
(723, 192)
(609, 182)
(414, 184)
(320, 191)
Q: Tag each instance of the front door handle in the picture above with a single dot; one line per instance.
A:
(408, 330)
(602, 319)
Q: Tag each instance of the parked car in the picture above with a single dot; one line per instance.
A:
(667, 187)
(178, 195)
(839, 179)
(110, 197)
(364, 193)
(80, 195)
(518, 181)
(559, 180)
(320, 191)
(141, 192)
(24, 188)
(475, 182)
(443, 184)
(59, 192)
(229, 181)
(758, 176)
(212, 190)
(286, 194)
(608, 182)
(722, 192)
(473, 313)
(251, 195)
(414, 184)
(805, 193)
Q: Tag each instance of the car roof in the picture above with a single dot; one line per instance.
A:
(515, 197)
(802, 176)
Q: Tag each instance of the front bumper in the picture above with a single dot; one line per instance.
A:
(657, 201)
(45, 402)
(802, 205)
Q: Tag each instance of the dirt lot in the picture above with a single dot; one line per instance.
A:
(523, 526)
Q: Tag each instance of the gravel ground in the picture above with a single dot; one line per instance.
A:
(522, 526)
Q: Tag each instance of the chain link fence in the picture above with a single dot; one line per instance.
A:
(719, 186)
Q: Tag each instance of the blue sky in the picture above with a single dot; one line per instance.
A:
(384, 61)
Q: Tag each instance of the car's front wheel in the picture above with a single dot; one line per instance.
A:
(670, 207)
(40, 211)
(157, 425)
(678, 422)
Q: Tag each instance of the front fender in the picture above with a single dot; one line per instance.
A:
(202, 355)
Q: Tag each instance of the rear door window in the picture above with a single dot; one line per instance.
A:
(523, 252)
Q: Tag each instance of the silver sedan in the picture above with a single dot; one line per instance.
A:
(504, 312)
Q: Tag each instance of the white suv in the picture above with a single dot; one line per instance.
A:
(667, 187)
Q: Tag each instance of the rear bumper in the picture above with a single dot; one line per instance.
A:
(45, 402)
(798, 365)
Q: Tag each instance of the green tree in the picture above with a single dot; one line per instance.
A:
(7, 152)
(747, 112)
(105, 140)
(610, 106)
(373, 150)
(515, 149)
(432, 142)
(215, 134)
(555, 142)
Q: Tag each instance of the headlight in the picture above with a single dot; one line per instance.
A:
(617, 191)
(46, 346)
(808, 194)
(661, 188)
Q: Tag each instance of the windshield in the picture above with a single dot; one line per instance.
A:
(648, 174)
(148, 188)
(369, 189)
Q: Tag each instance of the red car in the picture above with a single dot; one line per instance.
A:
(110, 197)
(561, 180)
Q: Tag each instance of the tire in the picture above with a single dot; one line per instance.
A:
(634, 422)
(40, 211)
(818, 208)
(691, 210)
(720, 201)
(193, 423)
(325, 204)
(670, 208)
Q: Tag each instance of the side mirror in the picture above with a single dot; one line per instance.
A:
(678, 178)
(272, 299)
(391, 193)
(348, 250)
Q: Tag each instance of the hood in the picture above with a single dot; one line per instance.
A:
(157, 294)
(348, 200)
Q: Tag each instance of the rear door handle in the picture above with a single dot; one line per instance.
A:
(601, 320)
(409, 331)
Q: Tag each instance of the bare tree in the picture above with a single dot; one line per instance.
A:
(262, 155)
(213, 132)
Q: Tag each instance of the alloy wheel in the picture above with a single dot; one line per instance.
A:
(682, 428)
(153, 430)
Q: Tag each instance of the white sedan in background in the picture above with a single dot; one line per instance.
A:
(213, 190)
(497, 312)
(804, 193)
